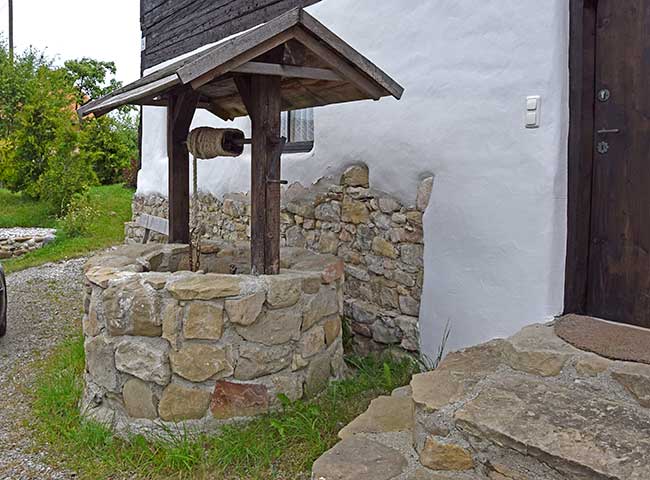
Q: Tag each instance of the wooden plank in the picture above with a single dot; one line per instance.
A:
(106, 104)
(581, 126)
(180, 112)
(340, 65)
(228, 51)
(287, 71)
(343, 48)
(208, 25)
(155, 224)
(245, 55)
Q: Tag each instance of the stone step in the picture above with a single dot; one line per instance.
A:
(379, 456)
(531, 407)
(385, 414)
(535, 407)
(570, 428)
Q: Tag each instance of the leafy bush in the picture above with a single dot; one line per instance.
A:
(79, 216)
(45, 152)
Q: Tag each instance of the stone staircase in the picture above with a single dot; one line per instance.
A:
(531, 407)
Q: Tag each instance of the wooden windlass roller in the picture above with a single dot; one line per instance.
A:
(206, 143)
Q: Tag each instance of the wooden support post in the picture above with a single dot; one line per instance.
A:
(262, 96)
(180, 112)
(265, 175)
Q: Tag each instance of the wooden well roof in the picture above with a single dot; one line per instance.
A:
(318, 69)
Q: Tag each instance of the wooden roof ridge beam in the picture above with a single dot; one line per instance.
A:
(288, 71)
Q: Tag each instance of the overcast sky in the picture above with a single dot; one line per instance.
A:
(66, 29)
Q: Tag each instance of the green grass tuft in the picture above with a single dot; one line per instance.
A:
(281, 445)
(113, 206)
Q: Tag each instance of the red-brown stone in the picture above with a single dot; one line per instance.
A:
(333, 272)
(231, 400)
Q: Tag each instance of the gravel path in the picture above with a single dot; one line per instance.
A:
(44, 303)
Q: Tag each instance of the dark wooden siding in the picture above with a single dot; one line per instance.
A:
(175, 27)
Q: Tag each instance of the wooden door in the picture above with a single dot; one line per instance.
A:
(618, 283)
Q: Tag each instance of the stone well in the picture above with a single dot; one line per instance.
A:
(166, 347)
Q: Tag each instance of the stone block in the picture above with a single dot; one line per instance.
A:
(232, 400)
(333, 271)
(424, 194)
(245, 311)
(328, 243)
(259, 360)
(140, 400)
(144, 358)
(312, 342)
(359, 458)
(283, 290)
(198, 362)
(274, 327)
(295, 237)
(384, 248)
(567, 428)
(355, 212)
(323, 304)
(100, 363)
(456, 376)
(172, 315)
(409, 306)
(445, 456)
(318, 376)
(356, 176)
(388, 205)
(180, 403)
(385, 414)
(332, 327)
(130, 309)
(328, 212)
(205, 287)
(203, 321)
(412, 255)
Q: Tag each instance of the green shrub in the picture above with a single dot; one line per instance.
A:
(80, 213)
(45, 152)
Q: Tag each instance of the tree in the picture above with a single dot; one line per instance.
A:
(45, 151)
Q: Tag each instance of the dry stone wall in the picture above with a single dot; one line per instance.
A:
(15, 242)
(379, 239)
(166, 346)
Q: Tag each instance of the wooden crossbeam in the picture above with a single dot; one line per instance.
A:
(288, 71)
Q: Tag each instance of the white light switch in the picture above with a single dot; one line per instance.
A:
(533, 108)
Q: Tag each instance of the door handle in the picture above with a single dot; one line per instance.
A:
(610, 130)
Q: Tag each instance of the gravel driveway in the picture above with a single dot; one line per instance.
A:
(44, 303)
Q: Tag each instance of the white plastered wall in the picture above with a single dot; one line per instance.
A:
(495, 230)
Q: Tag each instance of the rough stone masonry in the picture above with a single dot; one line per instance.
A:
(379, 239)
(167, 347)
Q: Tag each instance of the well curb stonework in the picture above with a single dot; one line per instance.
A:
(379, 239)
(176, 349)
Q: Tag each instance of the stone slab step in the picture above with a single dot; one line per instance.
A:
(383, 456)
(571, 428)
(385, 414)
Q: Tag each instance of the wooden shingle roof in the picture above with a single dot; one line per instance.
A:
(318, 69)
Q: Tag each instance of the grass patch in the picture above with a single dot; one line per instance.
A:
(21, 211)
(113, 206)
(281, 445)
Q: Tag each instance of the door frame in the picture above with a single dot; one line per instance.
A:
(582, 98)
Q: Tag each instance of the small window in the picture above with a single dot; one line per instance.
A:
(298, 128)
